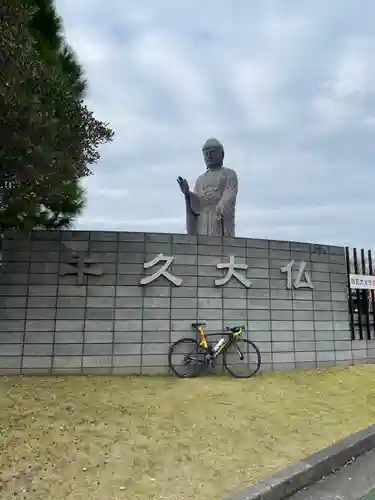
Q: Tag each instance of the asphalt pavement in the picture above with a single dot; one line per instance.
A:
(353, 482)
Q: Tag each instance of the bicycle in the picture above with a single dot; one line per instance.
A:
(200, 355)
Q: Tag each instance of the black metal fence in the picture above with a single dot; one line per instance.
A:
(361, 302)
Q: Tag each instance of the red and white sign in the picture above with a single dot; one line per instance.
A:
(362, 282)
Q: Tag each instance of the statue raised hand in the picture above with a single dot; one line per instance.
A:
(184, 185)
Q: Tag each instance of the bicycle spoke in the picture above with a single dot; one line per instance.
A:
(187, 358)
(242, 358)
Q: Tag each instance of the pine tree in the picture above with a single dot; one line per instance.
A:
(48, 138)
(46, 28)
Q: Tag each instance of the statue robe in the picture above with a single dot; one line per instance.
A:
(215, 187)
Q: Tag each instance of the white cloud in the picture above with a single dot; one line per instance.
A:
(286, 86)
(349, 85)
(354, 74)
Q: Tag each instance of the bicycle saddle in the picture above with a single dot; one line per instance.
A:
(197, 325)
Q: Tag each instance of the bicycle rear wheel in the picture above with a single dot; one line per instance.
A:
(242, 358)
(186, 358)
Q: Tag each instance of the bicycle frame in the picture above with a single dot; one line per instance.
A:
(230, 338)
(203, 342)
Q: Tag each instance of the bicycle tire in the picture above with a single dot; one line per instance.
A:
(257, 364)
(173, 348)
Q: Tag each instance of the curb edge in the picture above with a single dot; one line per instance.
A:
(309, 470)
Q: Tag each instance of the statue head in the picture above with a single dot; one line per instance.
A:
(213, 153)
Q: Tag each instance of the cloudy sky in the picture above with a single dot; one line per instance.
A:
(286, 85)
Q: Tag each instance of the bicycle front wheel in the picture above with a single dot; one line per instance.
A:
(186, 358)
(242, 358)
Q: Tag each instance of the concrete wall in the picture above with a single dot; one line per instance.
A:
(100, 319)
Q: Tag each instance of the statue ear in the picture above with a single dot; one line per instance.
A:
(223, 154)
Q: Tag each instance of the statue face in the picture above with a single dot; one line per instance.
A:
(213, 157)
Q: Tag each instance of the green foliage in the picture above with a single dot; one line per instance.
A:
(46, 29)
(62, 209)
(48, 138)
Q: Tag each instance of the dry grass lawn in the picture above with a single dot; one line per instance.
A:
(108, 438)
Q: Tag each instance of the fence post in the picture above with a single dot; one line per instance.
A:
(350, 296)
(358, 294)
(372, 292)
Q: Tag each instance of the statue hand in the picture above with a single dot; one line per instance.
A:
(184, 185)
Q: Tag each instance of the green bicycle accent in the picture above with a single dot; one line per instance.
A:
(200, 355)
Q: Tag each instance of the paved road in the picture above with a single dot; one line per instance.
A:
(353, 482)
